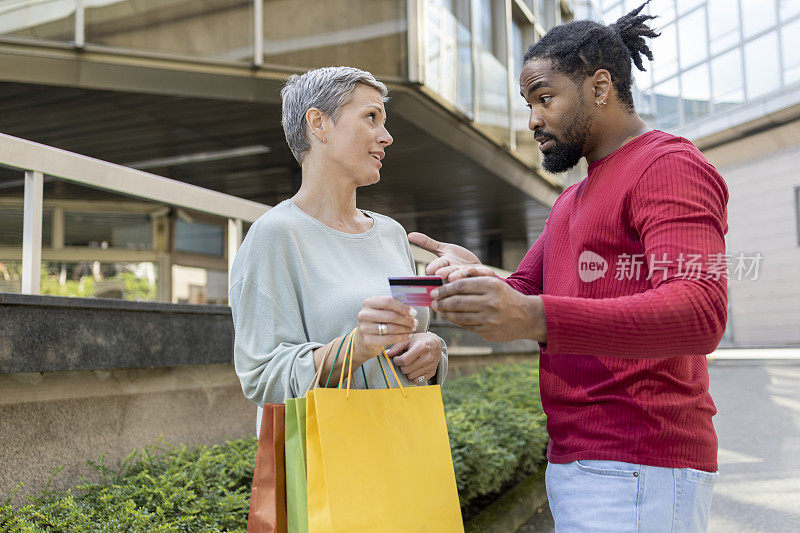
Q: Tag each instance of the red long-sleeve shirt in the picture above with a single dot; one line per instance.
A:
(623, 375)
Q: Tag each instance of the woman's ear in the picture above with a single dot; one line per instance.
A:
(316, 123)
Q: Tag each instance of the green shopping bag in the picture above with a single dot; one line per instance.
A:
(295, 450)
(296, 499)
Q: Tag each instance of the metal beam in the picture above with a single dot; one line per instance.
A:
(32, 234)
(28, 155)
(234, 241)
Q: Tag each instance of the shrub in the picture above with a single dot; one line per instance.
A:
(497, 436)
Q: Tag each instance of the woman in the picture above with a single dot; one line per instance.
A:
(315, 267)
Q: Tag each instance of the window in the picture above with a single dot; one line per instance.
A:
(789, 8)
(790, 35)
(104, 230)
(723, 24)
(757, 16)
(696, 92)
(665, 52)
(761, 58)
(199, 238)
(666, 97)
(11, 226)
(727, 79)
(692, 37)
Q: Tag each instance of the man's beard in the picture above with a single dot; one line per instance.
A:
(567, 153)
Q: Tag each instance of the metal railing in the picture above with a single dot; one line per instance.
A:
(38, 160)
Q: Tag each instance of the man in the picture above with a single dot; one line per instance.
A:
(623, 290)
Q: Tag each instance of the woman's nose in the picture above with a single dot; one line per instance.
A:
(385, 138)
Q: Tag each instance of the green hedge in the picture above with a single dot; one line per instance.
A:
(497, 436)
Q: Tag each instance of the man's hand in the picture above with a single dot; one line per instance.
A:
(447, 255)
(492, 309)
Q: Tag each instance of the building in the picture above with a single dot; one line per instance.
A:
(726, 75)
(190, 92)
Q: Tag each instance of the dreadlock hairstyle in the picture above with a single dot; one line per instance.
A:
(579, 48)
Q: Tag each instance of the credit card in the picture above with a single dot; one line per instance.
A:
(415, 290)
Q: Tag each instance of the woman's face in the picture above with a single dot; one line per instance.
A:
(357, 141)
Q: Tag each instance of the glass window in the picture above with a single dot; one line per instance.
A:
(696, 92)
(613, 14)
(692, 37)
(199, 238)
(727, 79)
(93, 279)
(448, 51)
(723, 24)
(762, 69)
(790, 35)
(643, 79)
(684, 6)
(666, 98)
(665, 53)
(103, 230)
(789, 8)
(664, 10)
(757, 15)
(10, 275)
(11, 226)
(49, 20)
(199, 285)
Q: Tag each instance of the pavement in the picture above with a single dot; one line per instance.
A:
(757, 393)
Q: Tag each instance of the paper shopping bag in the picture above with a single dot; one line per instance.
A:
(296, 507)
(268, 497)
(379, 461)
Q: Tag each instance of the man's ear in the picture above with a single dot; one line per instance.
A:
(316, 123)
(601, 86)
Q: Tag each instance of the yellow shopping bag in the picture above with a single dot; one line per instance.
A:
(379, 460)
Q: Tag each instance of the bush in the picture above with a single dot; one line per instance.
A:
(497, 428)
(497, 436)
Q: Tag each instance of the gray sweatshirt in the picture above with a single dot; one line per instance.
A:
(296, 284)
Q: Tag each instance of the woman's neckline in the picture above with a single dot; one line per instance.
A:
(335, 231)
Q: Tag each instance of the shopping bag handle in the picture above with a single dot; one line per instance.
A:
(348, 360)
(318, 375)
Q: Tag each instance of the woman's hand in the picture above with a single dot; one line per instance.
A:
(418, 357)
(378, 313)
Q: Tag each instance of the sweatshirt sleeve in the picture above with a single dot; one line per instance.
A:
(272, 356)
(678, 208)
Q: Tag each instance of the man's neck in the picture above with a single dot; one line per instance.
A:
(617, 133)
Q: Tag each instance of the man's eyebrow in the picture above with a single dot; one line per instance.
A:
(535, 87)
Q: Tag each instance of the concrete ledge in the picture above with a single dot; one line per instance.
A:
(50, 334)
(513, 508)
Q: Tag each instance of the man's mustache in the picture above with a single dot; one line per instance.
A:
(541, 137)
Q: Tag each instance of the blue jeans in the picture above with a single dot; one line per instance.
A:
(618, 497)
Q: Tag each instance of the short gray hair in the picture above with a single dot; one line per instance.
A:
(327, 89)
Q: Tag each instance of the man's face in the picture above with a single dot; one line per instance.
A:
(560, 118)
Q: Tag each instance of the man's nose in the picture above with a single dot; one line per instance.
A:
(535, 122)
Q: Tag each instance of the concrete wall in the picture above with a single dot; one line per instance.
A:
(83, 378)
(48, 420)
(762, 171)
